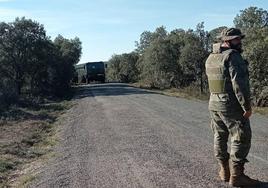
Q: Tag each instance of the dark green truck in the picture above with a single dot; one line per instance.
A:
(91, 71)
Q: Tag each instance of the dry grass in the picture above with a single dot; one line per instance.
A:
(27, 134)
(261, 110)
(25, 180)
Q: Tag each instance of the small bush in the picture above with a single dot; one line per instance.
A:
(8, 93)
(262, 100)
(6, 165)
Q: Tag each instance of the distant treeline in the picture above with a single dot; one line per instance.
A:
(31, 64)
(177, 59)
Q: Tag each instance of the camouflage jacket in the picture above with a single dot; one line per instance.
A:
(236, 92)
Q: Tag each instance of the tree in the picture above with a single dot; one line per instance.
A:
(67, 53)
(159, 66)
(191, 56)
(252, 17)
(114, 68)
(70, 49)
(31, 63)
(254, 23)
(129, 71)
(203, 53)
(191, 63)
(148, 37)
(123, 67)
(37, 72)
(19, 43)
(181, 41)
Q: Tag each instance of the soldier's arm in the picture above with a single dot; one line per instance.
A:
(239, 77)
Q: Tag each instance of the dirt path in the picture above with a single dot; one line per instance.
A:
(119, 136)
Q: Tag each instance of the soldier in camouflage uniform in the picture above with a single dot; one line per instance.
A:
(230, 107)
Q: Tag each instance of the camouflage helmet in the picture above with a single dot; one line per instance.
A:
(230, 34)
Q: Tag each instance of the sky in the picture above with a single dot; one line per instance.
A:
(109, 27)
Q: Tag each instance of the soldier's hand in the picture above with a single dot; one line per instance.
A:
(247, 114)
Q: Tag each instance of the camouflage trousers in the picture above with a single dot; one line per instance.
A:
(226, 124)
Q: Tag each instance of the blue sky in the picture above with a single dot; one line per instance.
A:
(108, 27)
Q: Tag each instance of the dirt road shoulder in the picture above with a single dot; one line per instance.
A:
(27, 134)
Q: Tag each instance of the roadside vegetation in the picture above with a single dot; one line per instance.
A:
(27, 132)
(35, 89)
(174, 62)
(32, 65)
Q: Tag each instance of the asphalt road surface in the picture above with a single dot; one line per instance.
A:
(123, 137)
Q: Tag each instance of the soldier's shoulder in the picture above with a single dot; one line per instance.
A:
(233, 54)
(231, 51)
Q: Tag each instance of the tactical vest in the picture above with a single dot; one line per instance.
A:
(216, 70)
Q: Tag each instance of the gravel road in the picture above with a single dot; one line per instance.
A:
(123, 137)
